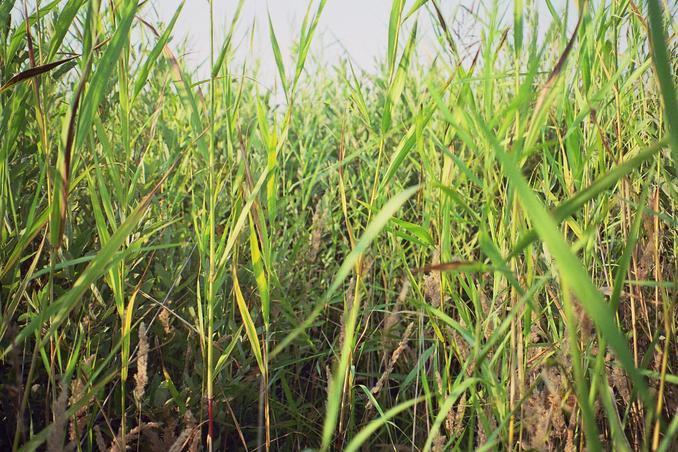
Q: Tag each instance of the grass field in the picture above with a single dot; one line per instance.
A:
(474, 252)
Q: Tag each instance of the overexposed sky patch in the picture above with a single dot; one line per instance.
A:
(347, 27)
(354, 28)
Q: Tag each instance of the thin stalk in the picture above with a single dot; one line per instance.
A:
(212, 247)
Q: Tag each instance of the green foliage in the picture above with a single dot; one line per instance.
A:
(472, 252)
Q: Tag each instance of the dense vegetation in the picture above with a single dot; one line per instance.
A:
(473, 252)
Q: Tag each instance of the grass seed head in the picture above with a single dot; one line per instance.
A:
(317, 230)
(79, 420)
(99, 439)
(141, 377)
(55, 440)
(164, 318)
(433, 283)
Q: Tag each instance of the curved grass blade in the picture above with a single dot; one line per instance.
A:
(221, 362)
(226, 47)
(457, 391)
(572, 205)
(371, 232)
(277, 55)
(665, 75)
(376, 424)
(570, 267)
(250, 329)
(105, 67)
(33, 72)
(107, 256)
(68, 14)
(152, 58)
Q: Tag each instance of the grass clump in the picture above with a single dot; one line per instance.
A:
(475, 252)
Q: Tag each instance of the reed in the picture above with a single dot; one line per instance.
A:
(474, 251)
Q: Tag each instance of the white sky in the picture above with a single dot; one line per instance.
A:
(357, 28)
(354, 28)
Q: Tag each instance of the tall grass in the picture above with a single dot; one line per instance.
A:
(472, 252)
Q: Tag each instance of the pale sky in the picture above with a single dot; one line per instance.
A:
(357, 28)
(354, 28)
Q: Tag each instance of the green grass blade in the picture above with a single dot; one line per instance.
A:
(58, 311)
(570, 267)
(376, 424)
(250, 329)
(151, 60)
(665, 74)
(371, 232)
